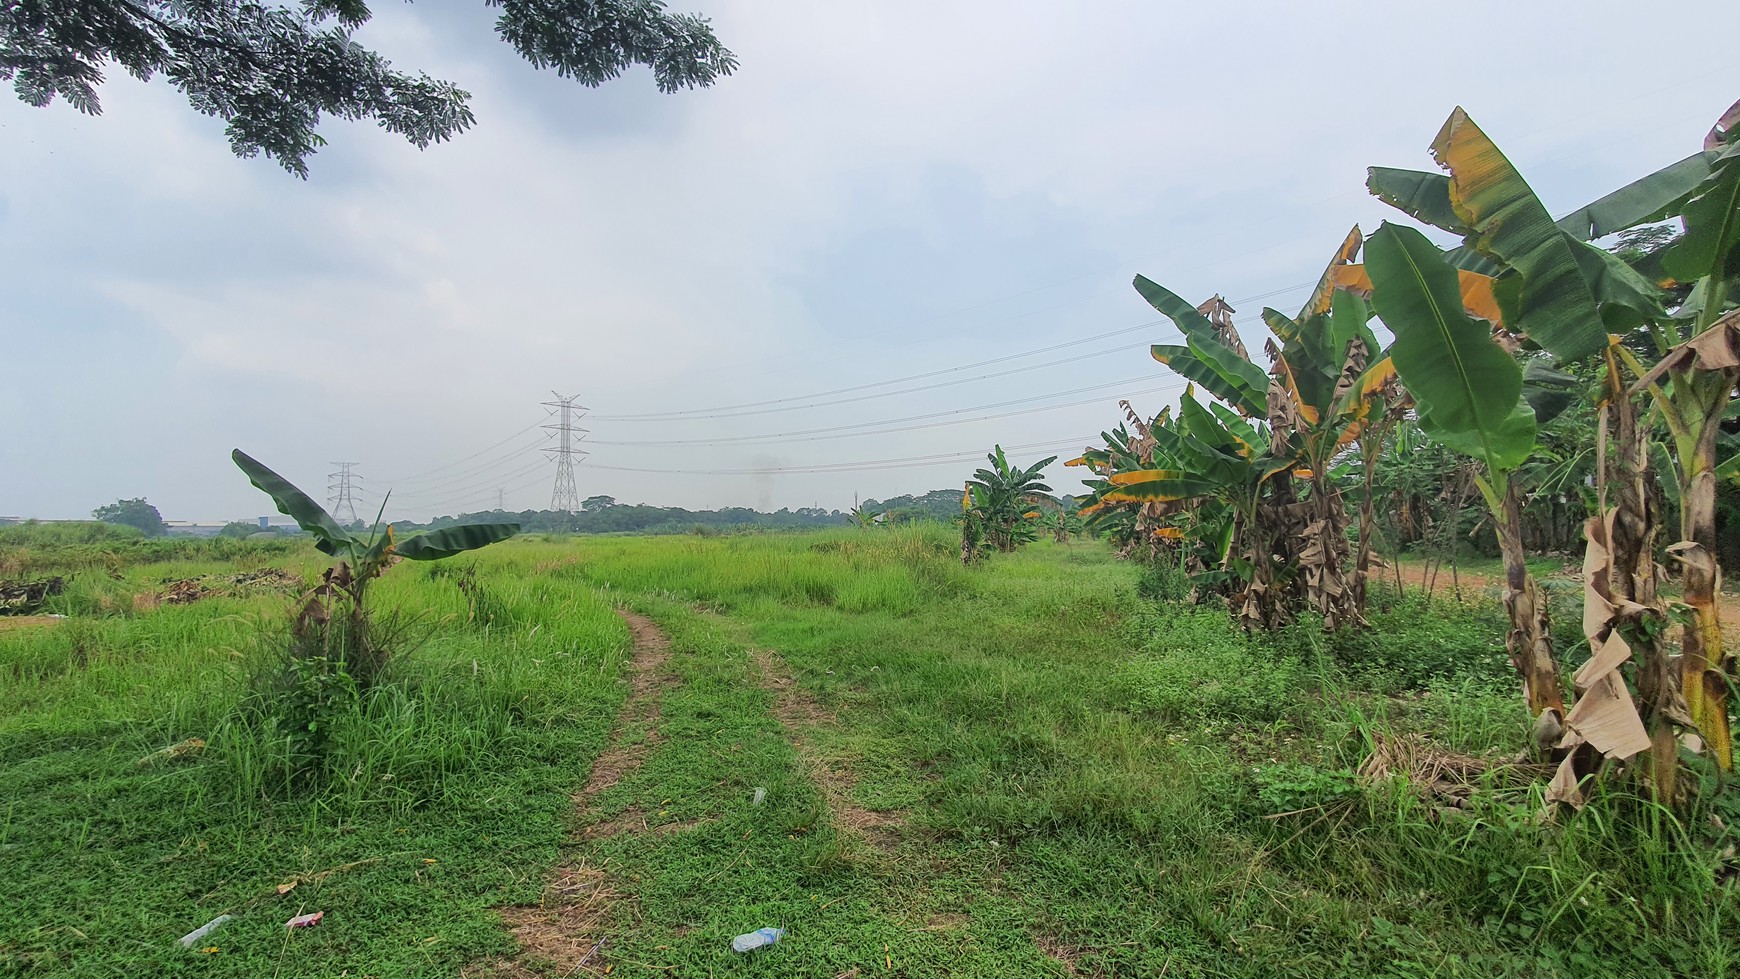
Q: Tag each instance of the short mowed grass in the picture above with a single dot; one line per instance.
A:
(1086, 781)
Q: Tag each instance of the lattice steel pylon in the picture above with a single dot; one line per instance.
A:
(565, 497)
(339, 499)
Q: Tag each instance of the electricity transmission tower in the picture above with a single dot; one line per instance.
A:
(339, 499)
(566, 496)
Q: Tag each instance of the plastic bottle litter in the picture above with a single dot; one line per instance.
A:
(305, 920)
(760, 796)
(756, 939)
(188, 940)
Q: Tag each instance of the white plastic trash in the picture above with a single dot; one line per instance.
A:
(760, 796)
(756, 939)
(188, 940)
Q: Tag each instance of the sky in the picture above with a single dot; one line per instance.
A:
(908, 228)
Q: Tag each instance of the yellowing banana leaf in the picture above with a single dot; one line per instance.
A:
(1091, 509)
(1251, 441)
(1477, 295)
(1284, 373)
(1554, 306)
(1318, 304)
(1158, 486)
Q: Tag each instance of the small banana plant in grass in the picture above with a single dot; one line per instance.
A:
(332, 620)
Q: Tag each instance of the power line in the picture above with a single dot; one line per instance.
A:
(865, 466)
(664, 415)
(889, 394)
(474, 484)
(825, 433)
(510, 438)
(776, 404)
(454, 503)
(484, 471)
(465, 475)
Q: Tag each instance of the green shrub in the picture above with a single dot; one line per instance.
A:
(1291, 787)
(1194, 664)
(1163, 583)
(1418, 644)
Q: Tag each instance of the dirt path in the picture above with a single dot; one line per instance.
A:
(564, 934)
(800, 714)
(1414, 576)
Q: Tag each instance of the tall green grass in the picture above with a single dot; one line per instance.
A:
(1129, 780)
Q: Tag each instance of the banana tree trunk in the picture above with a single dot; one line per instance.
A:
(1705, 667)
(1530, 643)
(1368, 450)
(1633, 578)
(1323, 558)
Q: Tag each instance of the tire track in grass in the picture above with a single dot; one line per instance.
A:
(564, 934)
(799, 713)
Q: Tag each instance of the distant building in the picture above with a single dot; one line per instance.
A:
(191, 528)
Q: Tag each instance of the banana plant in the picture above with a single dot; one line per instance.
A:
(1329, 382)
(1469, 393)
(1571, 298)
(1212, 455)
(1001, 500)
(1325, 380)
(360, 560)
(1120, 523)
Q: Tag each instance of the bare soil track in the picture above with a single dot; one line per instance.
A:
(1415, 576)
(565, 933)
(799, 714)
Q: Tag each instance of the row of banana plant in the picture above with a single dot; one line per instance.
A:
(1238, 485)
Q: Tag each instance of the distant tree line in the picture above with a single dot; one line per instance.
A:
(603, 515)
(941, 504)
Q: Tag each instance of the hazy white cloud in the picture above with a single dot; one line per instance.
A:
(883, 190)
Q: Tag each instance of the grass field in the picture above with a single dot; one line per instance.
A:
(1026, 768)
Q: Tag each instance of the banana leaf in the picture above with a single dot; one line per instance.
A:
(1186, 364)
(1418, 194)
(1627, 298)
(1554, 306)
(448, 541)
(1712, 218)
(1469, 390)
(1159, 486)
(1228, 364)
(1643, 201)
(1318, 304)
(329, 537)
(1284, 327)
(1549, 392)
